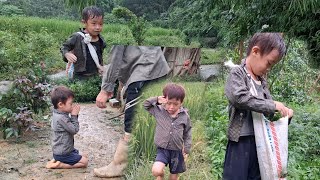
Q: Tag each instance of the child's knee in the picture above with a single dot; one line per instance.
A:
(157, 169)
(173, 176)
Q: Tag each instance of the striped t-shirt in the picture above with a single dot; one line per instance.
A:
(171, 133)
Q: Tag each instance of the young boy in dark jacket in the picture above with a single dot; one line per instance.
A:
(75, 50)
(264, 50)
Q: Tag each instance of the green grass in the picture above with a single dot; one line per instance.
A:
(142, 145)
(212, 56)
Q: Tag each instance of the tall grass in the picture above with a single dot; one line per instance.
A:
(142, 145)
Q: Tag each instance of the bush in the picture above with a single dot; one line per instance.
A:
(20, 52)
(84, 90)
(216, 123)
(29, 95)
(304, 142)
(9, 10)
(291, 78)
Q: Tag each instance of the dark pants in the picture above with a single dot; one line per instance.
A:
(174, 158)
(241, 160)
(133, 91)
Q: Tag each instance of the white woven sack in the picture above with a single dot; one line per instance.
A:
(272, 144)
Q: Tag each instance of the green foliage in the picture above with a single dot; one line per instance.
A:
(85, 90)
(197, 19)
(110, 18)
(29, 94)
(151, 9)
(232, 22)
(212, 56)
(24, 50)
(45, 8)
(291, 78)
(6, 117)
(80, 4)
(27, 42)
(122, 12)
(304, 142)
(137, 25)
(9, 10)
(216, 126)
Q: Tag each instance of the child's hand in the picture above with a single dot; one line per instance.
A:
(101, 71)
(75, 109)
(162, 100)
(70, 57)
(185, 156)
(284, 111)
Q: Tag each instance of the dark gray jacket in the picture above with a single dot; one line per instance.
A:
(130, 64)
(241, 101)
(75, 43)
(63, 129)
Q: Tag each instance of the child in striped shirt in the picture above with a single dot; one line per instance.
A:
(173, 130)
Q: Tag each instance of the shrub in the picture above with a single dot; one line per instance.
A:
(291, 78)
(84, 90)
(29, 94)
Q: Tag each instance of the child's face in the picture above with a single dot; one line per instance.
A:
(94, 25)
(173, 106)
(66, 107)
(263, 63)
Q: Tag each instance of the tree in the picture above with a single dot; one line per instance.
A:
(149, 9)
(137, 25)
(45, 8)
(105, 5)
(236, 21)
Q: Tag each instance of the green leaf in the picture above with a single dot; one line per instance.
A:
(9, 132)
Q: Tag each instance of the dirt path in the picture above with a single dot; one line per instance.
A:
(26, 158)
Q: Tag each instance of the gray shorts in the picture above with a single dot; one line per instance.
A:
(172, 157)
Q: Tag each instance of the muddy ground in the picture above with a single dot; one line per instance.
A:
(26, 157)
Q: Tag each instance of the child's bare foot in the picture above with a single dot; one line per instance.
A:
(52, 164)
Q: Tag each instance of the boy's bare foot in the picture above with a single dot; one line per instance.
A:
(52, 164)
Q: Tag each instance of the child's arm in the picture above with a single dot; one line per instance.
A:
(151, 104)
(187, 137)
(239, 95)
(67, 47)
(71, 125)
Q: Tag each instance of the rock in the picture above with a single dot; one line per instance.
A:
(5, 86)
(209, 72)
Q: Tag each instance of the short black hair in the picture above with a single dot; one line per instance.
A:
(174, 91)
(60, 94)
(267, 42)
(91, 12)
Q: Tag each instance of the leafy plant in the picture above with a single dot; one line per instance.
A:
(137, 25)
(84, 90)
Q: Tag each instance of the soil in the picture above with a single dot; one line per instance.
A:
(26, 157)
